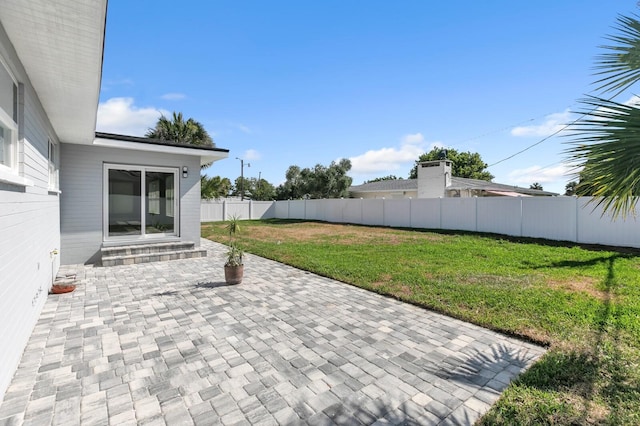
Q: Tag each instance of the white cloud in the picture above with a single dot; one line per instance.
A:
(539, 174)
(120, 115)
(552, 123)
(241, 127)
(415, 138)
(251, 155)
(173, 96)
(386, 160)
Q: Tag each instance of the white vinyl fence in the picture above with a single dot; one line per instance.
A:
(223, 209)
(553, 218)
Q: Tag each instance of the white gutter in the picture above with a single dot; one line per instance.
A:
(206, 156)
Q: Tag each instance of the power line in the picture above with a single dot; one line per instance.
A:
(493, 132)
(566, 126)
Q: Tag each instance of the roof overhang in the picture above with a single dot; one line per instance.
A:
(206, 155)
(60, 44)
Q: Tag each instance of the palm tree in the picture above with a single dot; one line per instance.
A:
(214, 187)
(606, 145)
(536, 185)
(570, 188)
(180, 131)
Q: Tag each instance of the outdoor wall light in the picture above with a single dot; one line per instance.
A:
(185, 171)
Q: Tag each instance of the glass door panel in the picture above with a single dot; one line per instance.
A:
(125, 206)
(160, 202)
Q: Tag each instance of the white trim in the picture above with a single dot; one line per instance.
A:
(206, 156)
(11, 126)
(52, 165)
(12, 178)
(6, 66)
(143, 235)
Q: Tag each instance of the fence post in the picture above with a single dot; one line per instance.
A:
(476, 208)
(521, 216)
(577, 220)
(250, 209)
(410, 215)
(224, 209)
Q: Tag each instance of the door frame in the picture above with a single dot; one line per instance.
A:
(143, 200)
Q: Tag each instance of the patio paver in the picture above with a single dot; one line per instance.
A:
(170, 343)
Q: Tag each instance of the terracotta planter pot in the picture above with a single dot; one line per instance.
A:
(61, 288)
(233, 274)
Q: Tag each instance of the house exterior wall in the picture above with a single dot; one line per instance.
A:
(433, 178)
(81, 179)
(29, 224)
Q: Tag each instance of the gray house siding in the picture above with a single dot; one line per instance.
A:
(29, 225)
(81, 177)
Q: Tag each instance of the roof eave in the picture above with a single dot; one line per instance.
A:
(206, 155)
(60, 45)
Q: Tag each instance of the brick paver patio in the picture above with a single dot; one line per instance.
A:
(170, 343)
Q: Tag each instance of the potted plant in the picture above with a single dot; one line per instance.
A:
(233, 267)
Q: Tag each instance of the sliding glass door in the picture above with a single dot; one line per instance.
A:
(140, 202)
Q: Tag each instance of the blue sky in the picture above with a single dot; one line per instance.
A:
(378, 82)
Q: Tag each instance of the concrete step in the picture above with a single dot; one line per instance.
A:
(152, 252)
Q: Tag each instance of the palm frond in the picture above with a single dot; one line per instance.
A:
(620, 67)
(606, 146)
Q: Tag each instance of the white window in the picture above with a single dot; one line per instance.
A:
(170, 197)
(153, 196)
(8, 139)
(8, 119)
(53, 166)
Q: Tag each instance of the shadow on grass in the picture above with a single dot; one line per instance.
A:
(586, 263)
(588, 382)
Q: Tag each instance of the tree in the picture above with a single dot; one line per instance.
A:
(292, 188)
(241, 184)
(181, 131)
(606, 147)
(380, 179)
(178, 130)
(570, 188)
(318, 182)
(262, 190)
(214, 187)
(464, 164)
(536, 185)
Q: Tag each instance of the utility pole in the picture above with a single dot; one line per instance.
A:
(242, 177)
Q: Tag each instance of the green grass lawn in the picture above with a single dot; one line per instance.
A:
(584, 303)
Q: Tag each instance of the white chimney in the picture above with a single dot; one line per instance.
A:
(433, 178)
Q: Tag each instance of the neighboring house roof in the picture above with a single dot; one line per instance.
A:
(483, 185)
(207, 154)
(61, 47)
(456, 183)
(387, 185)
